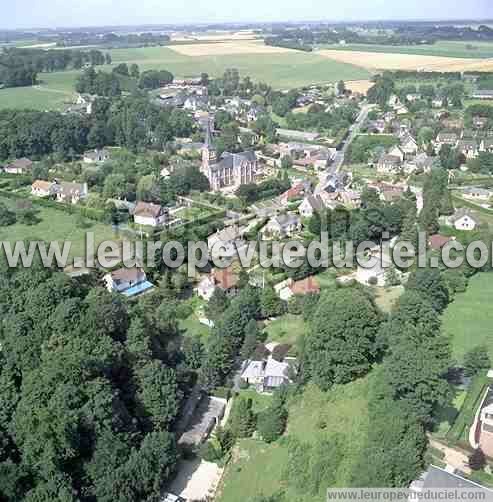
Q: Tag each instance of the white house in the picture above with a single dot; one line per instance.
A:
(268, 373)
(70, 192)
(128, 281)
(41, 188)
(152, 215)
(18, 166)
(311, 205)
(477, 194)
(283, 225)
(225, 242)
(96, 156)
(462, 219)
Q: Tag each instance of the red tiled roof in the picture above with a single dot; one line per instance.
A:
(437, 241)
(225, 278)
(305, 286)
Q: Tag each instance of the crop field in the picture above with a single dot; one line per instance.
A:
(282, 68)
(451, 49)
(468, 320)
(395, 61)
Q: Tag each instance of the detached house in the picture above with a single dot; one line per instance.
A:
(225, 242)
(225, 279)
(389, 164)
(41, 188)
(152, 215)
(311, 205)
(409, 145)
(446, 138)
(19, 166)
(486, 145)
(281, 226)
(269, 371)
(289, 288)
(96, 156)
(468, 148)
(462, 219)
(128, 281)
(70, 192)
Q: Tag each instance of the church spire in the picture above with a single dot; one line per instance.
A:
(209, 155)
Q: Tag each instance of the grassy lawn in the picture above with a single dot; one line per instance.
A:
(56, 226)
(456, 49)
(445, 417)
(258, 468)
(192, 325)
(459, 431)
(386, 298)
(468, 320)
(286, 329)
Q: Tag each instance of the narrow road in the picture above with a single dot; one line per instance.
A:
(338, 161)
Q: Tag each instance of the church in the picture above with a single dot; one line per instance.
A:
(231, 170)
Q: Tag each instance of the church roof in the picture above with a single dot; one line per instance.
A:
(231, 160)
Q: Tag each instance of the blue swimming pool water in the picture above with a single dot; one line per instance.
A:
(138, 289)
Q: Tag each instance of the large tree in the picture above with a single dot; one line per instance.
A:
(341, 343)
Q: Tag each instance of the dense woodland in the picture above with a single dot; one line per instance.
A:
(132, 122)
(90, 388)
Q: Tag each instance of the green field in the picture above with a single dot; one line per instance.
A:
(258, 468)
(55, 92)
(286, 329)
(286, 70)
(455, 49)
(469, 319)
(55, 226)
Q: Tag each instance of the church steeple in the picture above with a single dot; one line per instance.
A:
(209, 155)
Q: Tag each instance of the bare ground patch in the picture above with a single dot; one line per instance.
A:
(361, 86)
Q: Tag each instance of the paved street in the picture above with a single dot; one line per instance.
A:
(339, 157)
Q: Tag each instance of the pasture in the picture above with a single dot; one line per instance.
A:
(446, 48)
(55, 225)
(259, 468)
(468, 320)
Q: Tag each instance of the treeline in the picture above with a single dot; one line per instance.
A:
(110, 40)
(134, 123)
(90, 390)
(19, 67)
(288, 44)
(402, 34)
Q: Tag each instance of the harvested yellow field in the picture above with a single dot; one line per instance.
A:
(226, 48)
(360, 86)
(382, 61)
